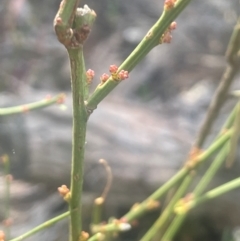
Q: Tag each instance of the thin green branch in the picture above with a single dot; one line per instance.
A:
(234, 139)
(42, 226)
(165, 216)
(151, 40)
(78, 138)
(64, 20)
(146, 205)
(33, 106)
(212, 170)
(72, 26)
(178, 220)
(222, 90)
(214, 193)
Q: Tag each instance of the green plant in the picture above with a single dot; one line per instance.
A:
(72, 26)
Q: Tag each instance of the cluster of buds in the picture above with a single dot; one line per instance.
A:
(167, 36)
(113, 69)
(90, 74)
(169, 4)
(64, 192)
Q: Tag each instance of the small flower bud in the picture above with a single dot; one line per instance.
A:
(153, 204)
(90, 74)
(99, 201)
(61, 99)
(169, 4)
(173, 26)
(84, 236)
(63, 190)
(25, 109)
(113, 69)
(104, 77)
(167, 37)
(123, 75)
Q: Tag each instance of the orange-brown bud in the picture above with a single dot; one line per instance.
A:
(63, 190)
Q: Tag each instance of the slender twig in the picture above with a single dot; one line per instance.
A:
(212, 170)
(218, 100)
(180, 218)
(33, 106)
(99, 202)
(177, 178)
(222, 90)
(234, 139)
(216, 192)
(41, 227)
(72, 26)
(151, 40)
(164, 217)
(78, 140)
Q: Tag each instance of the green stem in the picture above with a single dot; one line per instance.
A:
(174, 227)
(79, 134)
(230, 120)
(161, 221)
(143, 207)
(216, 192)
(222, 90)
(234, 139)
(212, 170)
(41, 227)
(151, 40)
(33, 106)
(215, 146)
(177, 222)
(179, 219)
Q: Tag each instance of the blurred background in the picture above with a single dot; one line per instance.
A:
(144, 128)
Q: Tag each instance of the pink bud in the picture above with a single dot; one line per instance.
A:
(104, 77)
(169, 4)
(113, 69)
(173, 26)
(90, 74)
(167, 37)
(123, 75)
